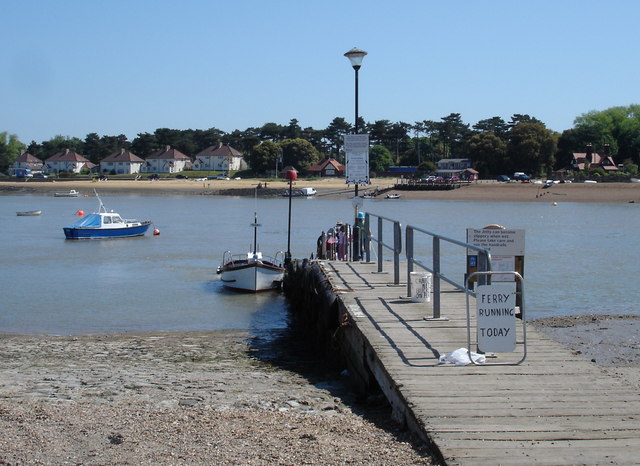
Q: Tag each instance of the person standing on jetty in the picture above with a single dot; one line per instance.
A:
(342, 243)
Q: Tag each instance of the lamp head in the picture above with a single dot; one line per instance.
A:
(355, 56)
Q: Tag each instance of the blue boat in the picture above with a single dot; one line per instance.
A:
(103, 224)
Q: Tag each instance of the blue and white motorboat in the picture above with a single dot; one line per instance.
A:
(103, 224)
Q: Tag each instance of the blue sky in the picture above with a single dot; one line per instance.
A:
(127, 67)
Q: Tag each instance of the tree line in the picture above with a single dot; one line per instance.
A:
(495, 146)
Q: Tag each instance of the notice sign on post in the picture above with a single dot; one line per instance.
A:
(356, 147)
(496, 317)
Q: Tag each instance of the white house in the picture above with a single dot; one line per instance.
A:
(166, 160)
(67, 161)
(220, 157)
(121, 163)
(26, 161)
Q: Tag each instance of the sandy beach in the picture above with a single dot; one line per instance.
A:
(336, 188)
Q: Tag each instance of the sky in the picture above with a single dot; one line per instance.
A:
(116, 67)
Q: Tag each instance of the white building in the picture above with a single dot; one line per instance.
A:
(26, 161)
(167, 160)
(221, 157)
(67, 161)
(121, 163)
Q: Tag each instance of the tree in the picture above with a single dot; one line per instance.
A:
(617, 126)
(10, 149)
(272, 132)
(531, 148)
(452, 133)
(145, 144)
(299, 153)
(334, 135)
(495, 125)
(293, 130)
(488, 152)
(263, 157)
(380, 159)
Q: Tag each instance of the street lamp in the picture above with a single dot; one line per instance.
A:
(291, 175)
(355, 56)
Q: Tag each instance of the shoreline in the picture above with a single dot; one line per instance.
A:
(336, 188)
(209, 397)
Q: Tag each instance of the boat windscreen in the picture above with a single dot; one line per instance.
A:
(91, 220)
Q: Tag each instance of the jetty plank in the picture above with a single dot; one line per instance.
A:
(554, 408)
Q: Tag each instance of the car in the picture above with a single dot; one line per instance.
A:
(40, 175)
(182, 177)
(503, 178)
(521, 176)
(153, 176)
(221, 177)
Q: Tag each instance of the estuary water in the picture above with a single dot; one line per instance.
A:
(579, 258)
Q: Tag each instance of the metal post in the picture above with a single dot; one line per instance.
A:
(409, 250)
(287, 258)
(436, 277)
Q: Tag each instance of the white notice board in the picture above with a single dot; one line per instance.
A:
(496, 314)
(356, 147)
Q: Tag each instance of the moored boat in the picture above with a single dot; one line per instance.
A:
(103, 224)
(71, 193)
(252, 271)
(28, 213)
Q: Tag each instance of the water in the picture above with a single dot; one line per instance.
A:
(580, 258)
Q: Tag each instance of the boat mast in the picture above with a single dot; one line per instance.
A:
(255, 226)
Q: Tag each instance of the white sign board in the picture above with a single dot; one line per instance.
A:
(356, 147)
(498, 242)
(503, 264)
(496, 317)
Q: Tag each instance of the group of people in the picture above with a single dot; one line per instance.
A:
(339, 239)
(334, 244)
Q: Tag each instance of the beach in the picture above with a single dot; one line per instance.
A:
(331, 187)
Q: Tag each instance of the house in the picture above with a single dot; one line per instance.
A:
(67, 161)
(220, 157)
(447, 168)
(166, 160)
(121, 163)
(590, 159)
(327, 167)
(26, 161)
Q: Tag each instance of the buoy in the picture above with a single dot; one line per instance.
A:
(80, 213)
(156, 232)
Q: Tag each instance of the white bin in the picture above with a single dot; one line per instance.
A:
(421, 283)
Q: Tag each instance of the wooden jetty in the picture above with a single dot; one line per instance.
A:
(554, 408)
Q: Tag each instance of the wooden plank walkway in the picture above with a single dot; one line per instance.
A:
(554, 408)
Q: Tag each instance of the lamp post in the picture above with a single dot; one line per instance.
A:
(290, 175)
(355, 56)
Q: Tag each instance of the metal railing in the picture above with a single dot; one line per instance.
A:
(484, 263)
(396, 247)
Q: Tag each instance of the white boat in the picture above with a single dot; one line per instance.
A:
(103, 224)
(71, 193)
(392, 196)
(252, 271)
(28, 213)
(308, 192)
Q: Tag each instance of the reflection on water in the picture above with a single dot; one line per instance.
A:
(580, 258)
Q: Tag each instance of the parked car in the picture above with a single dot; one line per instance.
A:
(182, 177)
(521, 176)
(153, 176)
(40, 175)
(503, 178)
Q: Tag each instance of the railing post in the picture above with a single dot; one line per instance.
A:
(380, 251)
(367, 238)
(397, 249)
(409, 250)
(436, 277)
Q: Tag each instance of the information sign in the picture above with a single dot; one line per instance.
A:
(356, 147)
(496, 317)
(500, 242)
